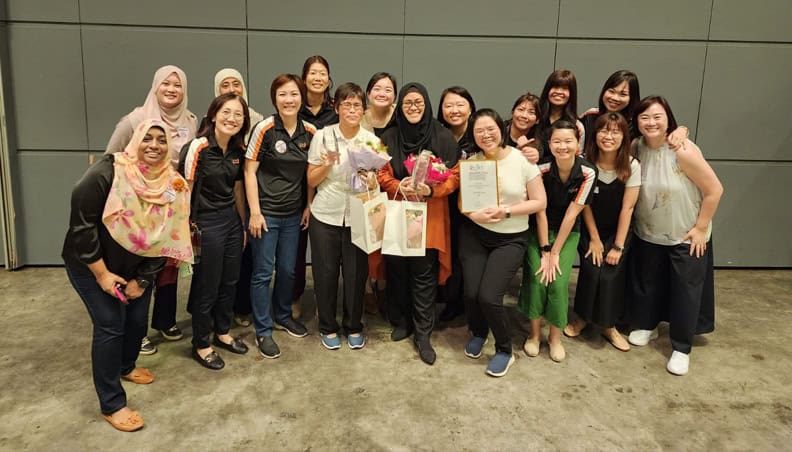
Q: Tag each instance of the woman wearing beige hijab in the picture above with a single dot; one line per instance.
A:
(229, 80)
(166, 102)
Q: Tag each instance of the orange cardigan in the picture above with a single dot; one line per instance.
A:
(438, 225)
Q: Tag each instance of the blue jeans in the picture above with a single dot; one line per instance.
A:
(276, 247)
(117, 332)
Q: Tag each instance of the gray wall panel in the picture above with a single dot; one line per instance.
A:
(47, 82)
(43, 10)
(474, 17)
(120, 64)
(750, 229)
(669, 19)
(764, 20)
(44, 201)
(671, 69)
(195, 13)
(744, 102)
(356, 16)
(352, 58)
(443, 62)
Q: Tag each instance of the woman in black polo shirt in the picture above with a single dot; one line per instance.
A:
(568, 182)
(522, 130)
(212, 164)
(275, 167)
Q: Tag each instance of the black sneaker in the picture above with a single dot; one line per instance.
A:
(172, 334)
(146, 347)
(267, 347)
(292, 327)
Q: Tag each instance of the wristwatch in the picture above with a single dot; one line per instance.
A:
(508, 212)
(618, 248)
(142, 283)
(546, 248)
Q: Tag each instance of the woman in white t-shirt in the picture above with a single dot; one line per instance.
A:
(605, 241)
(492, 244)
(331, 240)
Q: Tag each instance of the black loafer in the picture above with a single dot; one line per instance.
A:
(212, 361)
(236, 345)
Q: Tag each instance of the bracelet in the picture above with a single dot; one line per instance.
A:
(618, 248)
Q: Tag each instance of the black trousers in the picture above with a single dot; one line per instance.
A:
(411, 290)
(452, 292)
(163, 315)
(117, 332)
(667, 284)
(215, 277)
(242, 304)
(489, 262)
(332, 250)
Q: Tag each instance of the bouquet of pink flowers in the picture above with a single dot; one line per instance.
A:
(427, 167)
(364, 161)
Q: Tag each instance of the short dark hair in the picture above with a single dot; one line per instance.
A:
(459, 91)
(379, 76)
(616, 79)
(238, 140)
(488, 113)
(348, 90)
(283, 79)
(647, 102)
(323, 61)
(563, 124)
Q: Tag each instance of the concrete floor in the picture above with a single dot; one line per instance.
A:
(737, 396)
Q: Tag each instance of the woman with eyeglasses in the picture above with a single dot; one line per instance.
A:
(412, 281)
(332, 250)
(212, 164)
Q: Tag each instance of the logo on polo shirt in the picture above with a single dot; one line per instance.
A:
(303, 146)
(281, 147)
(235, 161)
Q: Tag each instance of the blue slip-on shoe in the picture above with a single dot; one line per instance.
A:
(331, 343)
(499, 364)
(356, 342)
(474, 347)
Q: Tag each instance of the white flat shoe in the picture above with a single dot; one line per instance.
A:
(679, 363)
(642, 337)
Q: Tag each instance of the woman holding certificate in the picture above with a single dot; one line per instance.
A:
(492, 245)
(568, 182)
(412, 281)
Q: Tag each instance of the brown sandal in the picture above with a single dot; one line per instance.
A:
(132, 422)
(139, 375)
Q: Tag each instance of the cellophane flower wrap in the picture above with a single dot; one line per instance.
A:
(365, 159)
(436, 173)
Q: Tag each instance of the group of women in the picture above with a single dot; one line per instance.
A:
(238, 195)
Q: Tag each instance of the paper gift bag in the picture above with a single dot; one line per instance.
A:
(367, 220)
(405, 229)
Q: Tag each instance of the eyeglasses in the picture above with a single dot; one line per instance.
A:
(606, 132)
(351, 105)
(419, 104)
(229, 114)
(488, 131)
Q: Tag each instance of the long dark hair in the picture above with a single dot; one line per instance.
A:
(459, 91)
(616, 79)
(307, 66)
(647, 102)
(238, 140)
(612, 121)
(561, 78)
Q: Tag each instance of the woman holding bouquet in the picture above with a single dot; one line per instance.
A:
(331, 239)
(412, 281)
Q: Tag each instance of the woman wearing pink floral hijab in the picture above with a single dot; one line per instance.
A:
(129, 212)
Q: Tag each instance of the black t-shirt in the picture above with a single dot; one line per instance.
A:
(283, 162)
(88, 240)
(203, 162)
(324, 117)
(579, 188)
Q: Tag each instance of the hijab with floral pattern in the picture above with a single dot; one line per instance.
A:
(148, 208)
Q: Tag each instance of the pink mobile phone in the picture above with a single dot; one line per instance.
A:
(119, 294)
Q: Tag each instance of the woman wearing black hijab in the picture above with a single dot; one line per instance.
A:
(412, 281)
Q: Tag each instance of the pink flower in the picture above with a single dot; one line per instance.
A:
(138, 242)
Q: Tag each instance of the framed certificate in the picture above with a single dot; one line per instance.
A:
(478, 185)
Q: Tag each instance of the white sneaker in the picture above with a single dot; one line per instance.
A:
(679, 363)
(642, 337)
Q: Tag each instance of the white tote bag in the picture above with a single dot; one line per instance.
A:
(367, 220)
(405, 229)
